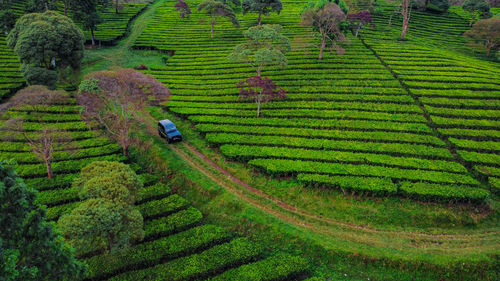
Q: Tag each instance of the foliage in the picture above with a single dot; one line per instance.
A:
(183, 8)
(265, 46)
(37, 6)
(326, 20)
(114, 98)
(111, 180)
(262, 7)
(438, 6)
(360, 19)
(29, 247)
(260, 90)
(103, 224)
(487, 33)
(86, 12)
(476, 8)
(49, 40)
(7, 20)
(216, 10)
(35, 75)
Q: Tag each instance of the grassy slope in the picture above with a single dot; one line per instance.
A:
(386, 213)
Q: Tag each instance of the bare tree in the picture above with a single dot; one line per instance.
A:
(406, 13)
(113, 99)
(31, 104)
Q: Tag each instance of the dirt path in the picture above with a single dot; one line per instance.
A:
(329, 229)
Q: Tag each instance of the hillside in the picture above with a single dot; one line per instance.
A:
(382, 162)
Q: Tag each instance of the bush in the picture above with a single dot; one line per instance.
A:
(116, 173)
(40, 76)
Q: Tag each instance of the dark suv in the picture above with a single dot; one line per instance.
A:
(167, 130)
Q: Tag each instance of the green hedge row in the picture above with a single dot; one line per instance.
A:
(151, 253)
(246, 152)
(279, 267)
(280, 166)
(315, 133)
(316, 123)
(326, 144)
(162, 207)
(172, 223)
(378, 186)
(198, 266)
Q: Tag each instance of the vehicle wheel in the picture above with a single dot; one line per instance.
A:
(169, 141)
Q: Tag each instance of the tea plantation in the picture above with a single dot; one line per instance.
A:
(386, 117)
(382, 162)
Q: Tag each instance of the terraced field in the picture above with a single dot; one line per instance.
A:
(10, 76)
(177, 245)
(89, 146)
(348, 120)
(115, 25)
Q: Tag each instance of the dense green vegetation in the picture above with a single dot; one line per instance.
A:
(367, 111)
(381, 163)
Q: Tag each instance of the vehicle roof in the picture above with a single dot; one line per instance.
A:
(166, 123)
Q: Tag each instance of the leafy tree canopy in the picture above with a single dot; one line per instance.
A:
(29, 247)
(100, 223)
(7, 20)
(265, 45)
(48, 40)
(216, 10)
(262, 7)
(487, 33)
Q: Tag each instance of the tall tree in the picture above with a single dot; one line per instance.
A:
(183, 8)
(46, 43)
(325, 18)
(113, 100)
(406, 13)
(487, 33)
(358, 20)
(476, 8)
(260, 90)
(216, 10)
(87, 12)
(265, 45)
(262, 7)
(48, 139)
(29, 248)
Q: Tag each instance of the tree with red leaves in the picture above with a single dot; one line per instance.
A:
(113, 100)
(183, 8)
(359, 19)
(260, 90)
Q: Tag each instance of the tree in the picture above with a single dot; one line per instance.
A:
(111, 180)
(107, 219)
(487, 33)
(439, 6)
(7, 20)
(49, 138)
(262, 7)
(50, 41)
(326, 20)
(358, 20)
(260, 90)
(406, 13)
(265, 45)
(183, 8)
(29, 248)
(101, 224)
(37, 6)
(86, 12)
(476, 8)
(113, 100)
(216, 10)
